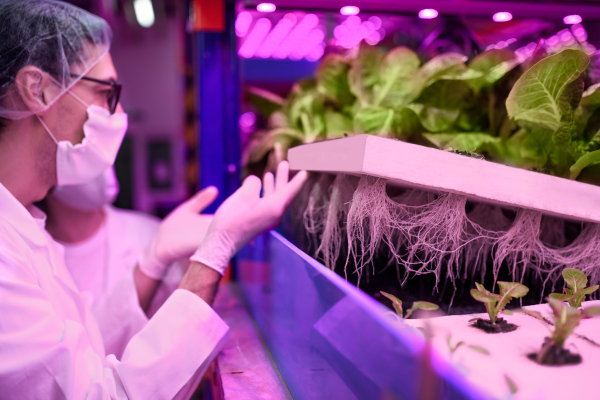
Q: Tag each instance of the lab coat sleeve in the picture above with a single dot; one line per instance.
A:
(119, 315)
(46, 356)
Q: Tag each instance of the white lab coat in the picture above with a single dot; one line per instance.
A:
(126, 234)
(51, 346)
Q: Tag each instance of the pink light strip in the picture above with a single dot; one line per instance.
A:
(242, 23)
(276, 36)
(296, 36)
(255, 38)
(315, 37)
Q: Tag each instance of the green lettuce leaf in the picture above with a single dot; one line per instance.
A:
(493, 64)
(549, 89)
(337, 124)
(584, 161)
(363, 76)
(374, 120)
(396, 86)
(471, 142)
(265, 102)
(332, 79)
(435, 119)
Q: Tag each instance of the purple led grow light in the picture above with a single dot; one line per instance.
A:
(242, 23)
(255, 38)
(276, 36)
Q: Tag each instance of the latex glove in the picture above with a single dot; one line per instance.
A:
(178, 235)
(244, 215)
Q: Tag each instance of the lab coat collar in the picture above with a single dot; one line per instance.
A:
(30, 224)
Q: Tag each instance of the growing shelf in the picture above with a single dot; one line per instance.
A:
(508, 356)
(412, 165)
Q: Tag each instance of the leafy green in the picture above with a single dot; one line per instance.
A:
(512, 386)
(266, 103)
(495, 303)
(332, 79)
(532, 115)
(363, 76)
(375, 120)
(565, 319)
(493, 64)
(471, 142)
(549, 90)
(393, 88)
(417, 305)
(576, 289)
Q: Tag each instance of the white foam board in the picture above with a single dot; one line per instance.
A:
(412, 165)
(508, 356)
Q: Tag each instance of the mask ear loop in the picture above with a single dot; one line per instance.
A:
(69, 91)
(47, 129)
(78, 99)
(72, 94)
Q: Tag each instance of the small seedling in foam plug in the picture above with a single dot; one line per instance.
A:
(495, 303)
(576, 289)
(417, 305)
(566, 319)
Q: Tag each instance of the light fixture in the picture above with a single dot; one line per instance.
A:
(428, 13)
(296, 37)
(255, 38)
(502, 16)
(266, 7)
(276, 36)
(144, 12)
(349, 10)
(572, 19)
(242, 23)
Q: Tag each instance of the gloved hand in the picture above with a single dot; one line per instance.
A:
(178, 235)
(245, 215)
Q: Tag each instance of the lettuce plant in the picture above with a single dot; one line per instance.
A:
(533, 114)
(576, 289)
(417, 305)
(566, 319)
(495, 303)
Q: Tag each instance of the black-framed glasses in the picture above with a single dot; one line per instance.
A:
(113, 95)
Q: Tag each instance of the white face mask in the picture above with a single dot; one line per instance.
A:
(90, 196)
(82, 163)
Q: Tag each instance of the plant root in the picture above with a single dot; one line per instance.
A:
(431, 233)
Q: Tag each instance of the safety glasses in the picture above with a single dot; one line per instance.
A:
(112, 96)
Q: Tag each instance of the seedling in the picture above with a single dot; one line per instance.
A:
(495, 303)
(461, 343)
(566, 319)
(417, 305)
(576, 289)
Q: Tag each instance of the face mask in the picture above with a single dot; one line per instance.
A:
(90, 196)
(82, 163)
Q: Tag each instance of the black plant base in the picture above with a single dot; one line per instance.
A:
(501, 326)
(553, 355)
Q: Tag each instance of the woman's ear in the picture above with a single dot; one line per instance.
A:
(36, 88)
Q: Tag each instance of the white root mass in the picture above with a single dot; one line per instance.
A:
(432, 233)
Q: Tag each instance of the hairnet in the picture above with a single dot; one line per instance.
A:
(56, 37)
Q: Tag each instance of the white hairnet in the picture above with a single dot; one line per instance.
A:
(56, 37)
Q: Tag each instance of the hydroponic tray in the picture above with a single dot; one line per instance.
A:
(508, 356)
(412, 165)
